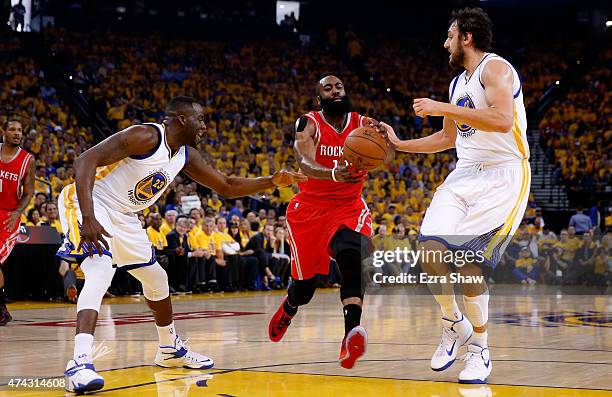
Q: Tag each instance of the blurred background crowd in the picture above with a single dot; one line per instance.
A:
(253, 90)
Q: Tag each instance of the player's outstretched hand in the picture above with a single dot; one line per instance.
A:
(11, 221)
(92, 235)
(349, 174)
(284, 178)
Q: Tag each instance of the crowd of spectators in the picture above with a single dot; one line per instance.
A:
(253, 92)
(577, 135)
(578, 255)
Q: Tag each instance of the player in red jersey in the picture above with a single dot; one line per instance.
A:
(328, 218)
(16, 190)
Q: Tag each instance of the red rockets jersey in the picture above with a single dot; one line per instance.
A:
(11, 175)
(329, 145)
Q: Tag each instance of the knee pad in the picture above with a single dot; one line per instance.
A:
(154, 281)
(349, 262)
(99, 274)
(302, 291)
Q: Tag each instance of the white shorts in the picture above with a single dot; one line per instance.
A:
(479, 208)
(129, 247)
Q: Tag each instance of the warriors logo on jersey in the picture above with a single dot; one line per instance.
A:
(463, 129)
(148, 187)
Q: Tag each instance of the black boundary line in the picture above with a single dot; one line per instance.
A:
(221, 371)
(311, 342)
(258, 369)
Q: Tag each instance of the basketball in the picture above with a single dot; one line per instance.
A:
(365, 148)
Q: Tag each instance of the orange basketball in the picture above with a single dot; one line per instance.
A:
(365, 148)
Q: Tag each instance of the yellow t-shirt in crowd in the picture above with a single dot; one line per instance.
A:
(212, 242)
(214, 206)
(194, 238)
(157, 238)
(165, 228)
(55, 224)
(524, 262)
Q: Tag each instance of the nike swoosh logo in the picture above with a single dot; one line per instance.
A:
(450, 352)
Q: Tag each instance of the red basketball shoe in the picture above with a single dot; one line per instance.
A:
(279, 323)
(353, 347)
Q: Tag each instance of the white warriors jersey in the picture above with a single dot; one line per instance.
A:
(478, 146)
(136, 182)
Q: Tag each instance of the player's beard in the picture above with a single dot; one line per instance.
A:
(457, 57)
(336, 108)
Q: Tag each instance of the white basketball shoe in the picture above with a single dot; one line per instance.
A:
(477, 365)
(454, 335)
(82, 377)
(181, 356)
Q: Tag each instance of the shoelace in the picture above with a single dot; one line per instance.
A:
(190, 355)
(472, 360)
(283, 322)
(448, 336)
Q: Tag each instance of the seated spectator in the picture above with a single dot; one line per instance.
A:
(169, 221)
(52, 217)
(33, 217)
(281, 256)
(259, 243)
(241, 233)
(179, 254)
(581, 270)
(526, 270)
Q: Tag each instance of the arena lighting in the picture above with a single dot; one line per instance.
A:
(557, 82)
(121, 9)
(608, 24)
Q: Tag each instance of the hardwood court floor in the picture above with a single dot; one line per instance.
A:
(542, 344)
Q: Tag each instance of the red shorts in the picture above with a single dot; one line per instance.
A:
(312, 225)
(7, 239)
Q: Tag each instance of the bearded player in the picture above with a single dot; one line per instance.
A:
(481, 203)
(120, 176)
(16, 191)
(328, 217)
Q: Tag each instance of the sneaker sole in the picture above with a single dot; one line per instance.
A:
(445, 367)
(209, 366)
(355, 345)
(94, 385)
(473, 381)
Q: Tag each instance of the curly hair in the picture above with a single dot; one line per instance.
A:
(477, 22)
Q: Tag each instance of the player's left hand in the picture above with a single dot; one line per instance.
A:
(427, 107)
(284, 178)
(11, 221)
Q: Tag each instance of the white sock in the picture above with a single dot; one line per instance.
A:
(82, 347)
(166, 334)
(449, 307)
(479, 338)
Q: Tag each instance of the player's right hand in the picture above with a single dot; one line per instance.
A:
(348, 174)
(92, 236)
(390, 133)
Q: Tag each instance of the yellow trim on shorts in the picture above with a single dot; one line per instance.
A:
(72, 218)
(507, 225)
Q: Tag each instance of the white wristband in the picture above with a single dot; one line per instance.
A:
(334, 174)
